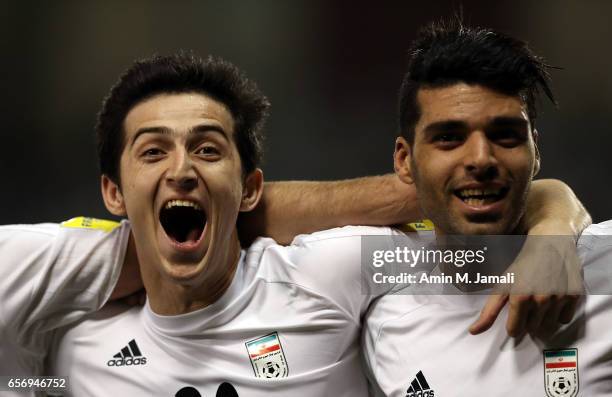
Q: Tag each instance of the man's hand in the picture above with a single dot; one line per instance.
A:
(547, 290)
(548, 273)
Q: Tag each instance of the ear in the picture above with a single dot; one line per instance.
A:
(536, 165)
(113, 199)
(401, 160)
(253, 189)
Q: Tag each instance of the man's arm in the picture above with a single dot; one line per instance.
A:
(129, 286)
(52, 275)
(291, 208)
(300, 207)
(554, 210)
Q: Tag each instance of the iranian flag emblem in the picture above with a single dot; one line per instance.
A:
(561, 372)
(267, 357)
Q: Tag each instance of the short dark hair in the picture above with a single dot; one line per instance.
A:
(445, 53)
(182, 72)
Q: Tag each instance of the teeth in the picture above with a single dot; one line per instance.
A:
(465, 193)
(182, 203)
(474, 202)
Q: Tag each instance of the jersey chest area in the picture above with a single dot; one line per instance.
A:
(293, 351)
(438, 357)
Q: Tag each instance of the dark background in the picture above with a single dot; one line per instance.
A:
(331, 70)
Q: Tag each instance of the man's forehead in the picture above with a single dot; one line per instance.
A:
(178, 111)
(470, 103)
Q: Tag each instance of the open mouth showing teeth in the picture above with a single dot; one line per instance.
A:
(480, 197)
(183, 221)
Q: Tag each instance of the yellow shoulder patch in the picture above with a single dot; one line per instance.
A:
(83, 222)
(421, 226)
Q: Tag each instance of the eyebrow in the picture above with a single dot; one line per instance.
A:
(198, 129)
(453, 125)
(445, 126)
(506, 121)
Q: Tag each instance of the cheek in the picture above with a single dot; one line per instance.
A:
(521, 164)
(224, 182)
(139, 184)
(433, 175)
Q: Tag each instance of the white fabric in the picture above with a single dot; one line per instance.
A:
(406, 334)
(50, 276)
(309, 293)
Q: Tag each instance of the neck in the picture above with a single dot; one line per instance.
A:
(168, 297)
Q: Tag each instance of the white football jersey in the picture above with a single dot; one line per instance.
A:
(52, 275)
(289, 325)
(419, 345)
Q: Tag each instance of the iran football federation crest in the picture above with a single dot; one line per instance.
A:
(561, 372)
(267, 357)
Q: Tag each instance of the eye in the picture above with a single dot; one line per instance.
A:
(448, 140)
(208, 151)
(507, 137)
(152, 153)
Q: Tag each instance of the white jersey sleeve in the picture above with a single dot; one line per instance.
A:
(330, 261)
(52, 275)
(595, 248)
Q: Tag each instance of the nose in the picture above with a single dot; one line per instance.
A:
(480, 161)
(181, 174)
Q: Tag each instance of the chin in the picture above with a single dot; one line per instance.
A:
(479, 228)
(485, 229)
(181, 267)
(185, 259)
(181, 271)
(496, 228)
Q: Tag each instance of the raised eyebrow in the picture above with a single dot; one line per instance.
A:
(149, 130)
(444, 126)
(198, 129)
(207, 128)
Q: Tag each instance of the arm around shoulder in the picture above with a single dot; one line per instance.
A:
(298, 207)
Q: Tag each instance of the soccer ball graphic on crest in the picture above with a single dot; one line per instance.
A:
(271, 370)
(562, 386)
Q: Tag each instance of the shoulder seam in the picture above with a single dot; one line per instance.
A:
(310, 238)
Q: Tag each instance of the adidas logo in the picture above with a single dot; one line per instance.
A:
(419, 387)
(129, 355)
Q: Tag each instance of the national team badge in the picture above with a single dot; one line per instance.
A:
(267, 357)
(561, 372)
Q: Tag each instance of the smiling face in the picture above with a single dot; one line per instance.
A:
(182, 187)
(472, 160)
